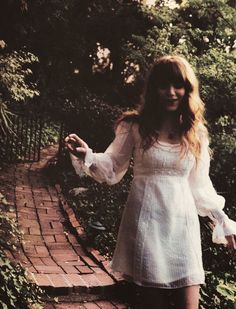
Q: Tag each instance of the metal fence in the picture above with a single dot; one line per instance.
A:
(24, 143)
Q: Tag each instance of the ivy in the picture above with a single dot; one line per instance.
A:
(16, 289)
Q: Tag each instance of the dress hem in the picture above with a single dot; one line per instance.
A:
(174, 285)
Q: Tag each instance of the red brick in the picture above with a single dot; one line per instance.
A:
(42, 280)
(105, 304)
(98, 270)
(46, 196)
(52, 232)
(70, 212)
(28, 223)
(49, 239)
(97, 255)
(60, 246)
(34, 239)
(80, 231)
(47, 217)
(65, 258)
(44, 222)
(72, 238)
(76, 280)
(60, 238)
(44, 269)
(105, 279)
(34, 231)
(32, 216)
(53, 211)
(91, 280)
(73, 263)
(36, 261)
(84, 269)
(120, 305)
(29, 204)
(40, 205)
(27, 210)
(48, 261)
(69, 306)
(42, 251)
(31, 269)
(29, 249)
(89, 261)
(56, 225)
(42, 211)
(48, 203)
(70, 269)
(66, 252)
(59, 281)
(90, 305)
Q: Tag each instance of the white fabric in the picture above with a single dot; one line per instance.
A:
(159, 241)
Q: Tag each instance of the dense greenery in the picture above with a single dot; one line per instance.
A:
(16, 290)
(86, 74)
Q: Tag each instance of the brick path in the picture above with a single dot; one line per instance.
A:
(51, 253)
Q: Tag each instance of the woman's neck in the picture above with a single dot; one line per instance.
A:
(169, 129)
(170, 121)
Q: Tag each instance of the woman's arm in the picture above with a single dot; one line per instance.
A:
(109, 166)
(208, 202)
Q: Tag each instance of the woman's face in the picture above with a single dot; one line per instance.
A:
(171, 95)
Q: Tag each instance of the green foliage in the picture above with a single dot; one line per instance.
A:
(216, 71)
(223, 143)
(50, 133)
(219, 291)
(201, 31)
(14, 70)
(5, 118)
(9, 232)
(14, 84)
(16, 291)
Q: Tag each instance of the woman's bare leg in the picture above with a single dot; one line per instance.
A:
(187, 297)
(153, 298)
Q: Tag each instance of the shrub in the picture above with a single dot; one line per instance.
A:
(16, 290)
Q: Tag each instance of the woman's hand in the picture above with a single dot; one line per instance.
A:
(76, 145)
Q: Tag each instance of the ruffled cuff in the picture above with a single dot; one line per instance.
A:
(82, 166)
(223, 228)
(89, 158)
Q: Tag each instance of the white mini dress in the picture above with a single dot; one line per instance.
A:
(159, 243)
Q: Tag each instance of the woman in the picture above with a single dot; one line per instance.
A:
(159, 245)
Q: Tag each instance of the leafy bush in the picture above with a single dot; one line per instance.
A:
(9, 233)
(219, 291)
(16, 290)
(14, 84)
(50, 133)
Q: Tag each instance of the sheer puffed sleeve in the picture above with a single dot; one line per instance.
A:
(207, 201)
(111, 165)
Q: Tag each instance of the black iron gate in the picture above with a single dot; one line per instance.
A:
(24, 142)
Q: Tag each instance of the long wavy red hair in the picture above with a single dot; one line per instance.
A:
(149, 113)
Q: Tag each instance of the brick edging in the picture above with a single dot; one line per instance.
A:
(94, 254)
